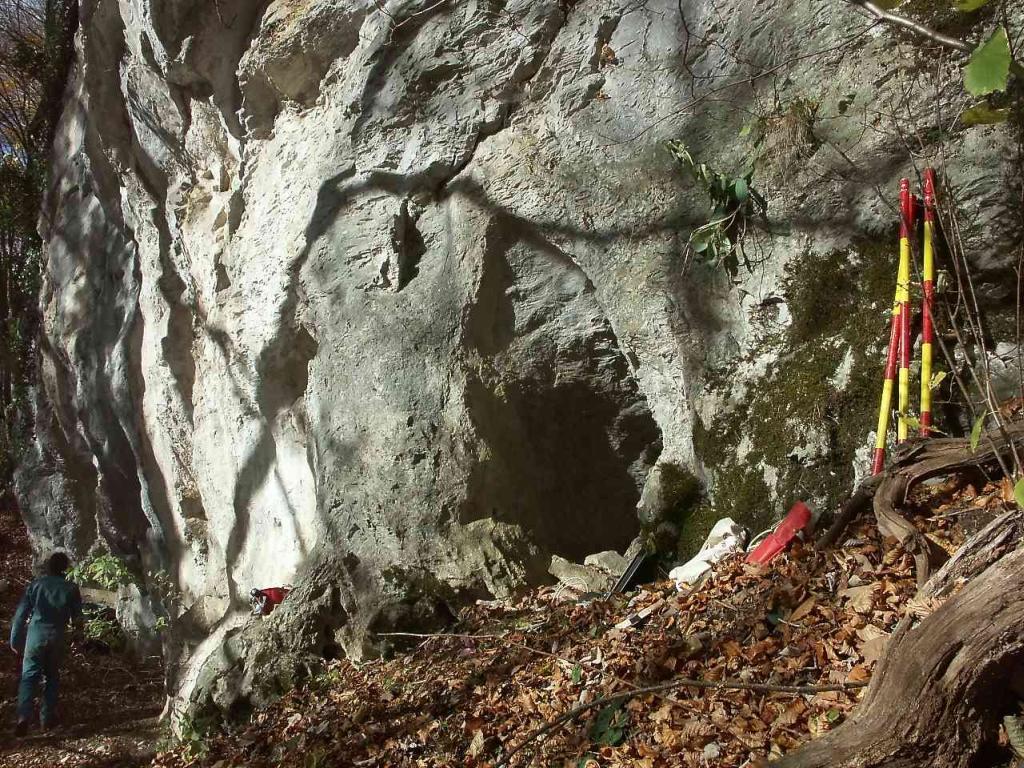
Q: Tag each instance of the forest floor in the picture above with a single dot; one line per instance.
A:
(748, 666)
(550, 681)
(109, 701)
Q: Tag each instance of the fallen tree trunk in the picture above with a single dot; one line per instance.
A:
(944, 684)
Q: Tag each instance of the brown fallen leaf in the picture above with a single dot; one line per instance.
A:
(476, 746)
(860, 598)
(1006, 490)
(872, 650)
(871, 632)
(803, 609)
(859, 674)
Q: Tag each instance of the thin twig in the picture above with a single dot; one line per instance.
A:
(750, 80)
(395, 23)
(973, 314)
(900, 21)
(739, 685)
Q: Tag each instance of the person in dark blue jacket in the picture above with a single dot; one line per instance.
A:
(50, 603)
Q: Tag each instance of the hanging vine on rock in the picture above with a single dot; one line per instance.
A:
(734, 203)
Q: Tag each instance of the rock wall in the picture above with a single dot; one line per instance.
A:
(394, 303)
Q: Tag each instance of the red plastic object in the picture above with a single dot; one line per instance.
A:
(272, 597)
(798, 518)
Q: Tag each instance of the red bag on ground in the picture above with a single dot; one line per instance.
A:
(798, 519)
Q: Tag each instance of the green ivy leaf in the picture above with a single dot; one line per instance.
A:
(976, 431)
(971, 5)
(1018, 493)
(984, 114)
(740, 190)
(699, 246)
(988, 70)
(609, 727)
(577, 673)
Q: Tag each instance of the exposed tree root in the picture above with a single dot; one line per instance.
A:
(940, 692)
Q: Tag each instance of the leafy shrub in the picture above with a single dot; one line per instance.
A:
(733, 200)
(101, 627)
(104, 571)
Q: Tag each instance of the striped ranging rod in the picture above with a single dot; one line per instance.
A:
(898, 356)
(903, 297)
(927, 302)
(897, 361)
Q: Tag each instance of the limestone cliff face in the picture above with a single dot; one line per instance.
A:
(393, 305)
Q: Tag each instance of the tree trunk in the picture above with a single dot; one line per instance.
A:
(944, 684)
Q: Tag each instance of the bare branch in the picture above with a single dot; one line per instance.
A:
(901, 21)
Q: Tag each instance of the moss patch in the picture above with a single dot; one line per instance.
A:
(795, 421)
(682, 491)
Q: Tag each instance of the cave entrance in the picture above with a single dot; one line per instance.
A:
(570, 436)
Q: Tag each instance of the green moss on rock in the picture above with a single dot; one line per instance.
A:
(839, 304)
(682, 491)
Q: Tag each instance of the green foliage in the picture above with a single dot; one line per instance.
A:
(984, 113)
(733, 201)
(968, 6)
(100, 627)
(104, 571)
(1018, 493)
(36, 49)
(914, 424)
(166, 598)
(193, 732)
(329, 678)
(609, 728)
(162, 587)
(988, 70)
(979, 424)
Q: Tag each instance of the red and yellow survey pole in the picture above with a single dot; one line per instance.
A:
(927, 301)
(887, 386)
(903, 299)
(898, 355)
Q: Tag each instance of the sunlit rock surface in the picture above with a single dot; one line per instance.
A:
(394, 306)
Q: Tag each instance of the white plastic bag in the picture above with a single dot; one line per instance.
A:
(725, 538)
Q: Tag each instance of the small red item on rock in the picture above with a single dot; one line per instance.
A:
(265, 600)
(798, 519)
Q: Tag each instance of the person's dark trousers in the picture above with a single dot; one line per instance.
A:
(41, 664)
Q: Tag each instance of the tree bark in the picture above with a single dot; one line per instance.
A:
(944, 684)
